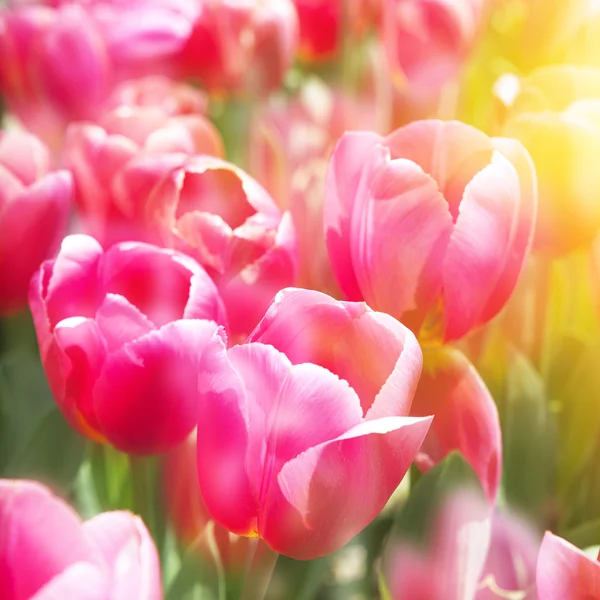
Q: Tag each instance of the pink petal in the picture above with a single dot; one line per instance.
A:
(466, 418)
(223, 421)
(151, 278)
(73, 364)
(522, 238)
(130, 554)
(332, 491)
(32, 226)
(450, 152)
(400, 232)
(483, 235)
(73, 286)
(341, 187)
(41, 536)
(81, 580)
(24, 156)
(566, 573)
(119, 322)
(146, 396)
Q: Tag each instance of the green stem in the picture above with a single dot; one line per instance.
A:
(258, 575)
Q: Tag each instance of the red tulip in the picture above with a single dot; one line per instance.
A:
(244, 45)
(218, 214)
(120, 334)
(566, 573)
(146, 117)
(34, 209)
(304, 450)
(429, 40)
(431, 224)
(47, 553)
(465, 416)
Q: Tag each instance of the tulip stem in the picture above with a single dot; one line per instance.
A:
(144, 493)
(261, 564)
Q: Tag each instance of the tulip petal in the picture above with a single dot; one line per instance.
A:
(146, 395)
(332, 491)
(83, 581)
(24, 155)
(222, 443)
(130, 554)
(477, 253)
(565, 572)
(73, 289)
(151, 278)
(450, 152)
(341, 186)
(466, 418)
(40, 537)
(400, 198)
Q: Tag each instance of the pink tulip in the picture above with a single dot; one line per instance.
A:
(218, 214)
(145, 117)
(58, 64)
(47, 553)
(34, 209)
(121, 334)
(291, 145)
(243, 45)
(465, 416)
(566, 573)
(451, 564)
(430, 224)
(304, 450)
(429, 40)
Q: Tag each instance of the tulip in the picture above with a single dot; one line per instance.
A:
(465, 416)
(144, 117)
(291, 145)
(218, 214)
(34, 209)
(556, 116)
(245, 45)
(428, 41)
(474, 554)
(431, 224)
(322, 24)
(58, 64)
(564, 572)
(121, 333)
(303, 449)
(47, 552)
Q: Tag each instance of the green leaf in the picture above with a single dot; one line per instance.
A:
(35, 440)
(529, 441)
(585, 535)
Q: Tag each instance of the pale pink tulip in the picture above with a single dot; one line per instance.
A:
(431, 224)
(34, 210)
(47, 553)
(121, 334)
(304, 450)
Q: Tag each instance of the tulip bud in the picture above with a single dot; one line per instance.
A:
(431, 224)
(34, 210)
(465, 416)
(121, 334)
(556, 116)
(305, 448)
(427, 41)
(218, 214)
(47, 552)
(244, 45)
